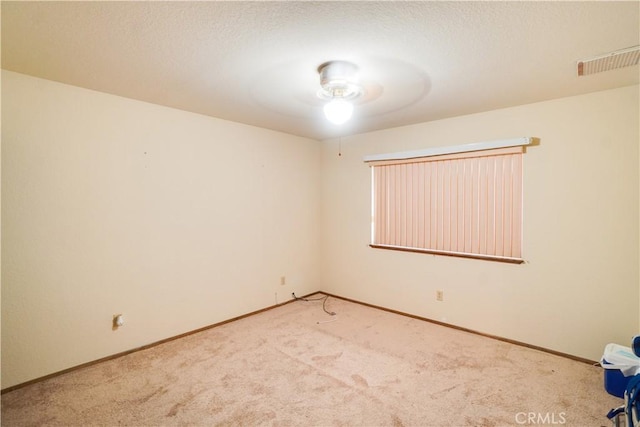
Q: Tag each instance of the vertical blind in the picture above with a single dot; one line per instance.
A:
(467, 204)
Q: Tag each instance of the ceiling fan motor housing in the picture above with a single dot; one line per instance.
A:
(339, 79)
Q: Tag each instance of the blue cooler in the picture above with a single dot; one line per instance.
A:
(620, 365)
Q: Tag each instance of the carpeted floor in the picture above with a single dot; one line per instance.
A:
(363, 367)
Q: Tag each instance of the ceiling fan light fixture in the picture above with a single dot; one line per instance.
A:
(338, 85)
(338, 111)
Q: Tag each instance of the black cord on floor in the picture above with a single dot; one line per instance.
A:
(324, 302)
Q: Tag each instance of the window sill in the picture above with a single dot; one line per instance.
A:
(453, 254)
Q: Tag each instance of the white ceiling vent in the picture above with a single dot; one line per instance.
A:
(609, 61)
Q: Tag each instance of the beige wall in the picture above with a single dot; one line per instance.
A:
(111, 205)
(177, 220)
(578, 289)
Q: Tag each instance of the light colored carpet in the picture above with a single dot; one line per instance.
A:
(366, 367)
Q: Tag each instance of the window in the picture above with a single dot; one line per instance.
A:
(461, 203)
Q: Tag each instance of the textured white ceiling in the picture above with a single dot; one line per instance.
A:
(256, 62)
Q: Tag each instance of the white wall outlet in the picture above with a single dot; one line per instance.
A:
(283, 280)
(118, 320)
(439, 295)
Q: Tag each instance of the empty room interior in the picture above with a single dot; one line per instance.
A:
(180, 191)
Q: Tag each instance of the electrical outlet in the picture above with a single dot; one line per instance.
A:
(118, 320)
(283, 280)
(439, 295)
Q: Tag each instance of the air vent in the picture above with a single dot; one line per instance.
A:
(610, 61)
